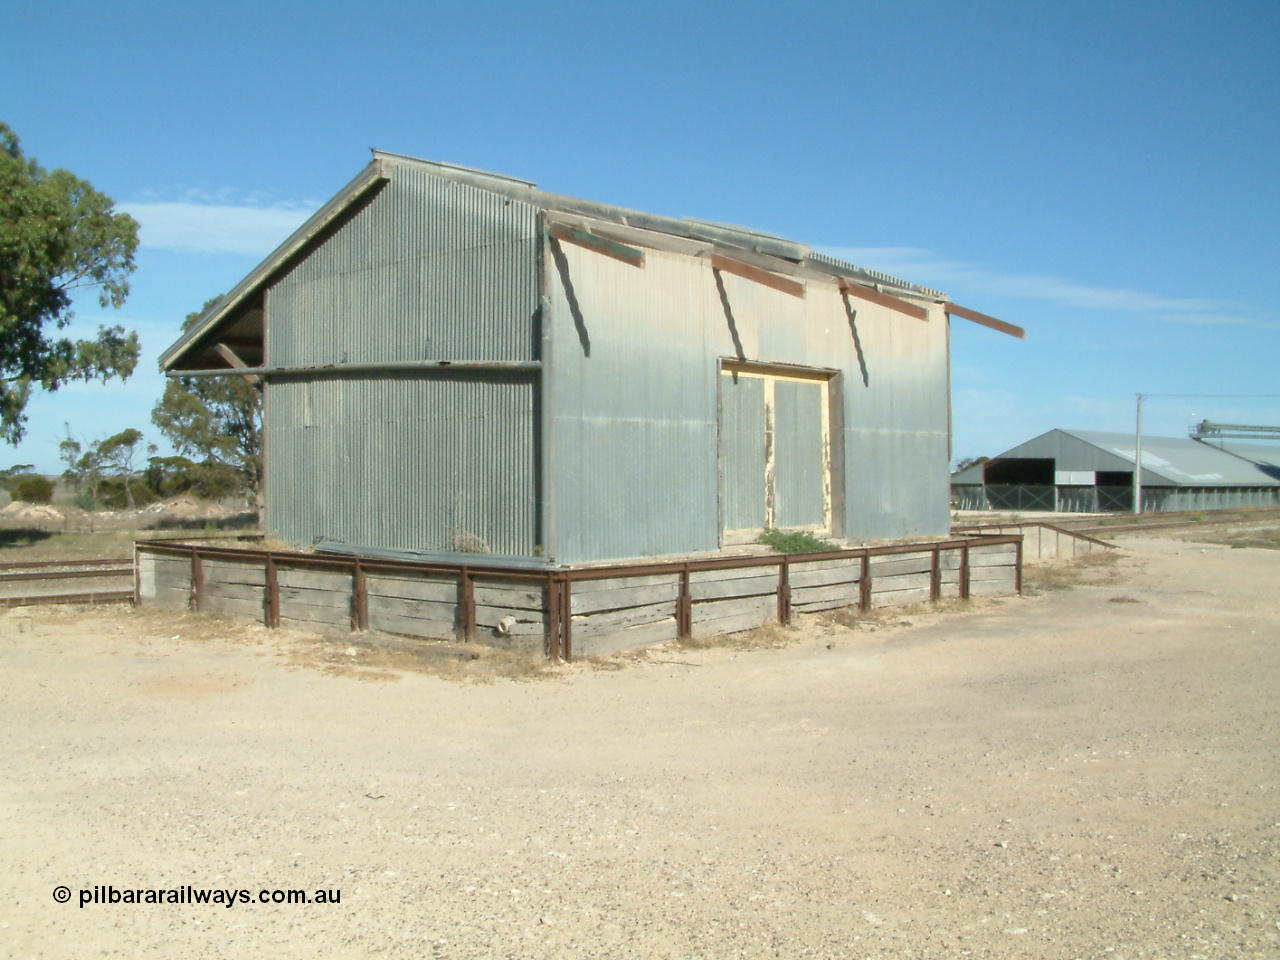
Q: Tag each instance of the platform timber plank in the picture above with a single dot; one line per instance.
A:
(411, 626)
(441, 590)
(512, 593)
(738, 587)
(897, 598)
(611, 621)
(337, 580)
(822, 578)
(629, 638)
(420, 609)
(622, 597)
(333, 599)
(233, 591)
(845, 593)
(718, 609)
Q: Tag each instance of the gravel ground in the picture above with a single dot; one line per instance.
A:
(1088, 773)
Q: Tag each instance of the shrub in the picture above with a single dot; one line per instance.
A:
(170, 476)
(112, 493)
(795, 541)
(31, 488)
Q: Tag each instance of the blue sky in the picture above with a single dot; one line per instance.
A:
(1103, 174)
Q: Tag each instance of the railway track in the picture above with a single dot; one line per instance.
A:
(42, 582)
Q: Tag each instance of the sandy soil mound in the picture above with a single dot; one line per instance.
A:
(187, 507)
(31, 512)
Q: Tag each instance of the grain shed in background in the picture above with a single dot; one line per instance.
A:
(457, 362)
(1091, 471)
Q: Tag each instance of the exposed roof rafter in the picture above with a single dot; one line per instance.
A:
(596, 243)
(955, 310)
(872, 295)
(756, 274)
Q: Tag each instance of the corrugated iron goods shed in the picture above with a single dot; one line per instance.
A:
(1178, 473)
(456, 361)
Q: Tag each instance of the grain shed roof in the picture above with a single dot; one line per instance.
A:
(237, 317)
(1177, 461)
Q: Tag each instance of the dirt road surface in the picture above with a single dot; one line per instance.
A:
(1090, 773)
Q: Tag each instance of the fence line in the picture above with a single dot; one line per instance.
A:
(1094, 499)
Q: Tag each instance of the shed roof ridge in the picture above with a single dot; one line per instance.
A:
(686, 227)
(1096, 438)
(525, 191)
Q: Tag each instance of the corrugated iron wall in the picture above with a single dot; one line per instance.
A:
(404, 461)
(635, 366)
(432, 270)
(428, 270)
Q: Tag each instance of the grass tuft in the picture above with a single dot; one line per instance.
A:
(794, 541)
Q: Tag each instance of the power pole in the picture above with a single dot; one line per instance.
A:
(1137, 459)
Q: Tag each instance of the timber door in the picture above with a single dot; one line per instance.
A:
(775, 452)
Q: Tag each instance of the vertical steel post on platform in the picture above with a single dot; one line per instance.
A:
(684, 606)
(1017, 569)
(359, 597)
(784, 592)
(551, 635)
(197, 579)
(466, 605)
(273, 593)
(566, 619)
(864, 584)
